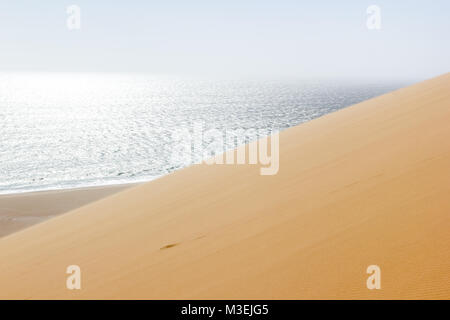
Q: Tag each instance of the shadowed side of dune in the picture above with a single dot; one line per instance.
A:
(22, 210)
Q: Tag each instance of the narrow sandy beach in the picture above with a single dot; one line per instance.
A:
(19, 211)
(366, 185)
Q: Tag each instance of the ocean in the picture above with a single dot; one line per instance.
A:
(70, 130)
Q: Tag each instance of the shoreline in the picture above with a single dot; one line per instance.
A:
(74, 188)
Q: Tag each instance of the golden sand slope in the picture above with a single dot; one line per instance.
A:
(18, 211)
(366, 185)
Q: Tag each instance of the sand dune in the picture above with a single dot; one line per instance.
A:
(369, 184)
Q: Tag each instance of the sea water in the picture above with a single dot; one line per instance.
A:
(62, 130)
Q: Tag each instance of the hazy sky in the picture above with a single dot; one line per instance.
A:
(229, 37)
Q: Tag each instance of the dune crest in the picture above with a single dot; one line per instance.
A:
(367, 185)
